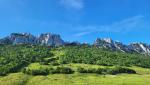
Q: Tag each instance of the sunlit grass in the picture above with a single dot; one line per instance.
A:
(141, 78)
(14, 79)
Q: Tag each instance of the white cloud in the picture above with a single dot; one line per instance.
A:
(72, 4)
(82, 33)
(128, 24)
(123, 26)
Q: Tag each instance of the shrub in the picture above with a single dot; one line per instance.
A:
(41, 71)
(63, 70)
(44, 63)
(117, 70)
(46, 71)
(54, 63)
(4, 71)
(52, 59)
(101, 70)
(83, 70)
(113, 71)
(91, 70)
(52, 70)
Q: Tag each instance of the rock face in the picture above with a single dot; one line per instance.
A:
(50, 39)
(122, 47)
(110, 44)
(22, 38)
(116, 45)
(5, 40)
(26, 38)
(105, 43)
(140, 48)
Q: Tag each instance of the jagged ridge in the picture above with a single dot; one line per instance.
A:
(27, 38)
(116, 45)
(50, 39)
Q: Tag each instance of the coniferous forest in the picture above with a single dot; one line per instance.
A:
(25, 64)
(15, 58)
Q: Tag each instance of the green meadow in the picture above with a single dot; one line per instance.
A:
(141, 78)
(73, 65)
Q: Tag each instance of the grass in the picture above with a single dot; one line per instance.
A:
(14, 79)
(141, 78)
(75, 79)
(141, 70)
(37, 66)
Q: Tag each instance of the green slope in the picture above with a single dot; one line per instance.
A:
(15, 59)
(141, 78)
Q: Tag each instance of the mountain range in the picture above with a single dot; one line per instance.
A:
(50, 39)
(27, 38)
(108, 43)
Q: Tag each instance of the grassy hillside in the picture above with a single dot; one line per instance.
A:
(71, 65)
(141, 78)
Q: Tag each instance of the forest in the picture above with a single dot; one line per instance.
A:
(16, 58)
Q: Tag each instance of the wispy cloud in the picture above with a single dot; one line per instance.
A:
(72, 4)
(82, 33)
(123, 26)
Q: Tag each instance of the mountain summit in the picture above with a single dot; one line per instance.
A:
(108, 43)
(26, 38)
(50, 39)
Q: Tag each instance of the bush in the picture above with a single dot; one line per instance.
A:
(83, 70)
(91, 70)
(52, 70)
(63, 70)
(113, 71)
(46, 71)
(117, 70)
(101, 70)
(54, 63)
(4, 71)
(44, 63)
(41, 71)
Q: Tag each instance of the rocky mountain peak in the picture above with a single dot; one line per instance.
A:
(50, 39)
(105, 43)
(27, 38)
(100, 41)
(140, 47)
(22, 38)
(115, 45)
(108, 40)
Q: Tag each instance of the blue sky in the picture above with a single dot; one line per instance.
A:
(78, 20)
